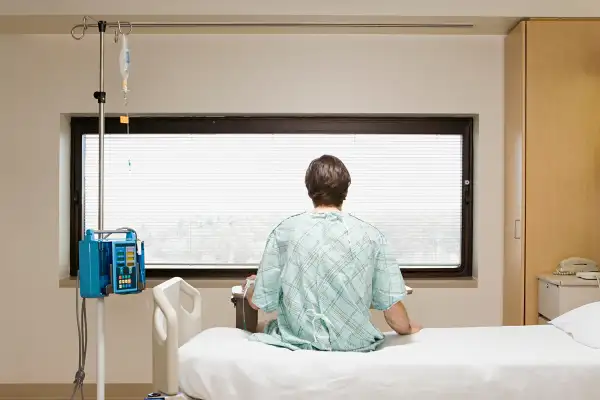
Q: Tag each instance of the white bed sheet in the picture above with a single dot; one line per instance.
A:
(532, 362)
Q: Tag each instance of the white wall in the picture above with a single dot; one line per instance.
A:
(44, 76)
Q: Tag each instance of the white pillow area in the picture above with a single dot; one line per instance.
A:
(583, 324)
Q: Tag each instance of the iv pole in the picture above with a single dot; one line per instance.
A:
(100, 95)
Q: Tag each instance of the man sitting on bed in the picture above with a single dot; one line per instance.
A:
(323, 270)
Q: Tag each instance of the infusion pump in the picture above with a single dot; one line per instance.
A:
(110, 263)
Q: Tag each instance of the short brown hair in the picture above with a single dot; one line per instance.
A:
(327, 180)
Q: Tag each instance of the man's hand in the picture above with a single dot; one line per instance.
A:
(249, 291)
(397, 318)
(251, 278)
(415, 327)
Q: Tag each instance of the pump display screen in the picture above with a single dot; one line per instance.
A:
(126, 269)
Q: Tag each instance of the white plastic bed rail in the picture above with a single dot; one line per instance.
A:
(172, 327)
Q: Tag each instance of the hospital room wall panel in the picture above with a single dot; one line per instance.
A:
(561, 130)
(514, 204)
(44, 77)
(562, 147)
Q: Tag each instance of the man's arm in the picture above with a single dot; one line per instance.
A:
(397, 318)
(264, 293)
(249, 294)
(389, 290)
(248, 290)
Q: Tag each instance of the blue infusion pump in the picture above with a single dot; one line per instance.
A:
(109, 265)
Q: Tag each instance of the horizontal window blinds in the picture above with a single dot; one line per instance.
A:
(205, 200)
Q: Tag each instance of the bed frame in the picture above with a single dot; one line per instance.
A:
(173, 326)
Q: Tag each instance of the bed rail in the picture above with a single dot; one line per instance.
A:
(172, 327)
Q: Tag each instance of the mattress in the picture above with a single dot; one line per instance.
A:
(487, 363)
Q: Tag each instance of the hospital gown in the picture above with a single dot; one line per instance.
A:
(322, 272)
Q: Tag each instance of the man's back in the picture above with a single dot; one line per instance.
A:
(322, 271)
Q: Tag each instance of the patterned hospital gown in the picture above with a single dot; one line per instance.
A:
(321, 272)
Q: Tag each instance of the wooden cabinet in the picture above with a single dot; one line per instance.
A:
(551, 155)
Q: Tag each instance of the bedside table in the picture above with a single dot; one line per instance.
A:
(558, 294)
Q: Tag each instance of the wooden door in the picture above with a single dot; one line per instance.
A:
(514, 140)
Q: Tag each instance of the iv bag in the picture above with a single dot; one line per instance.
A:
(124, 62)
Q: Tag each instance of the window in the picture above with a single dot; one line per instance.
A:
(204, 193)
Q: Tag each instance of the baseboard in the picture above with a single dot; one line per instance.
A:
(63, 391)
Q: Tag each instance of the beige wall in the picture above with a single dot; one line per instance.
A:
(44, 76)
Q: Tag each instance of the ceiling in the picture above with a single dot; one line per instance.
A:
(292, 16)
(408, 8)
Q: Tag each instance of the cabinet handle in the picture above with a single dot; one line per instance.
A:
(517, 233)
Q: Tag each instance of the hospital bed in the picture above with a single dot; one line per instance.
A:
(517, 363)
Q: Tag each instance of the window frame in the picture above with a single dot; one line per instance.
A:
(81, 126)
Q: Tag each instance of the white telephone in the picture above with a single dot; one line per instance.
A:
(582, 267)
